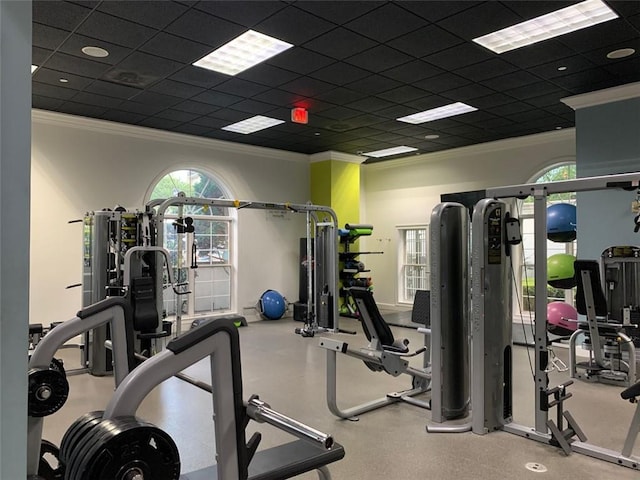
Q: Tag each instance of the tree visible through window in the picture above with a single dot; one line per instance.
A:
(210, 283)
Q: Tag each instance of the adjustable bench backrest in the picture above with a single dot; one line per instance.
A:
(369, 310)
(600, 302)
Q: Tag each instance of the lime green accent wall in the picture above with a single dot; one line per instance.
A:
(337, 185)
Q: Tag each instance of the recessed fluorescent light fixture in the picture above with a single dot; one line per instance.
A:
(575, 17)
(390, 151)
(252, 124)
(445, 111)
(242, 53)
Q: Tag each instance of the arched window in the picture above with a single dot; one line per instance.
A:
(558, 172)
(203, 258)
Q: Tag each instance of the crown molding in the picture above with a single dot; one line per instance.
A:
(46, 117)
(333, 155)
(600, 97)
(481, 148)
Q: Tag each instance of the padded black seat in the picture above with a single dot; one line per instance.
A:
(599, 299)
(367, 308)
(145, 313)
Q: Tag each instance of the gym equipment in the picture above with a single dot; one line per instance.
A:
(272, 305)
(384, 353)
(540, 431)
(48, 388)
(491, 324)
(560, 273)
(562, 319)
(156, 209)
(621, 274)
(117, 445)
(561, 222)
(606, 342)
(449, 316)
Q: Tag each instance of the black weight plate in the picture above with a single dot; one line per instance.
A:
(92, 439)
(93, 442)
(76, 431)
(58, 365)
(58, 386)
(134, 446)
(83, 435)
(48, 469)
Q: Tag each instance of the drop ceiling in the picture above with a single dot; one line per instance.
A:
(356, 66)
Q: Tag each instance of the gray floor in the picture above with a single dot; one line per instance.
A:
(288, 372)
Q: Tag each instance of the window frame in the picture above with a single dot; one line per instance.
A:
(406, 292)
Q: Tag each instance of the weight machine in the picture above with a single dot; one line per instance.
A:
(117, 445)
(322, 311)
(489, 401)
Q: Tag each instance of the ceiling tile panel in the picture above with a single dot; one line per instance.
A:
(279, 97)
(370, 104)
(434, 11)
(96, 100)
(39, 55)
(300, 60)
(64, 15)
(52, 91)
(46, 103)
(82, 109)
(52, 77)
(203, 28)
(114, 90)
(74, 44)
(294, 26)
(480, 20)
(177, 115)
(122, 117)
(217, 98)
(199, 77)
(340, 73)
(253, 106)
(601, 35)
(175, 48)
(77, 66)
(240, 87)
(340, 43)
(425, 41)
(191, 129)
(176, 89)
(442, 83)
(158, 99)
(537, 54)
(307, 86)
(387, 22)
(157, 122)
(157, 14)
(338, 12)
(467, 92)
(493, 67)
(404, 94)
(47, 37)
(243, 13)
(567, 65)
(379, 59)
(412, 71)
(340, 96)
(459, 56)
(374, 84)
(266, 74)
(115, 30)
(511, 80)
(199, 108)
(141, 70)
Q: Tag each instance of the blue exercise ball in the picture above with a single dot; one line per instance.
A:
(561, 222)
(272, 305)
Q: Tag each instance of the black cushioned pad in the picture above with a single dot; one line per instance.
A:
(631, 392)
(283, 461)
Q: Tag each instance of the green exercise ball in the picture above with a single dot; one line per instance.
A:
(560, 271)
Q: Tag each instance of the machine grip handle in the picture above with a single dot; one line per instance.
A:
(262, 412)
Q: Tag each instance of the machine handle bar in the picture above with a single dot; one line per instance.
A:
(261, 412)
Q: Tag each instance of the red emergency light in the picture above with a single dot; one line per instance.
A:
(299, 115)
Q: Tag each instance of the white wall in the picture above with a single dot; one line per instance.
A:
(80, 164)
(404, 191)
